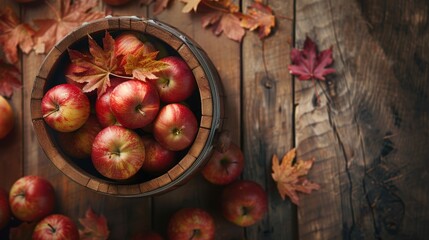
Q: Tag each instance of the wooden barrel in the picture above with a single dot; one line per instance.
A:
(209, 102)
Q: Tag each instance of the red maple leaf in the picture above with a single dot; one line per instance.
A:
(71, 16)
(14, 33)
(308, 64)
(259, 16)
(94, 226)
(95, 69)
(9, 79)
(290, 178)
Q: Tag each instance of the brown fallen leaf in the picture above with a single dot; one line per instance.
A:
(71, 16)
(259, 16)
(290, 178)
(190, 5)
(9, 79)
(14, 34)
(94, 226)
(160, 5)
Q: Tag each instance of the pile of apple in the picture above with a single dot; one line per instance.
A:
(138, 126)
(31, 199)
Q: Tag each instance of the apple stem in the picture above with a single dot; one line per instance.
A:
(52, 228)
(57, 108)
(140, 110)
(195, 233)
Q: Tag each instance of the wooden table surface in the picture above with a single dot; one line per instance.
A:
(369, 134)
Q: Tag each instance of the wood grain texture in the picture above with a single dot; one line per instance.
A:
(365, 134)
(225, 55)
(268, 118)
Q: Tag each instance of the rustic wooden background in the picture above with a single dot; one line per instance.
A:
(369, 134)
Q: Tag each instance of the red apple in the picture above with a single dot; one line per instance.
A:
(244, 203)
(56, 226)
(134, 103)
(31, 198)
(118, 153)
(149, 235)
(116, 2)
(65, 108)
(4, 209)
(175, 127)
(177, 82)
(191, 223)
(102, 105)
(158, 159)
(81, 139)
(224, 167)
(6, 117)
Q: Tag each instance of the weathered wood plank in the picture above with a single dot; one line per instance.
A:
(11, 146)
(268, 117)
(225, 55)
(364, 135)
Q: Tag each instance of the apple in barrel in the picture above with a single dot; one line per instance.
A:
(78, 144)
(65, 107)
(175, 83)
(31, 198)
(56, 226)
(175, 127)
(134, 103)
(102, 105)
(158, 159)
(117, 152)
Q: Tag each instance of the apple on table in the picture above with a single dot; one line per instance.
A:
(6, 117)
(244, 202)
(224, 167)
(31, 198)
(191, 223)
(56, 226)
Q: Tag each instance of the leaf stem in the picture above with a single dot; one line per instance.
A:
(120, 76)
(57, 14)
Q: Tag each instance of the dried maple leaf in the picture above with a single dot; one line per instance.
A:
(190, 5)
(72, 15)
(9, 79)
(94, 226)
(143, 65)
(227, 23)
(290, 177)
(308, 64)
(13, 33)
(98, 67)
(259, 16)
(160, 5)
